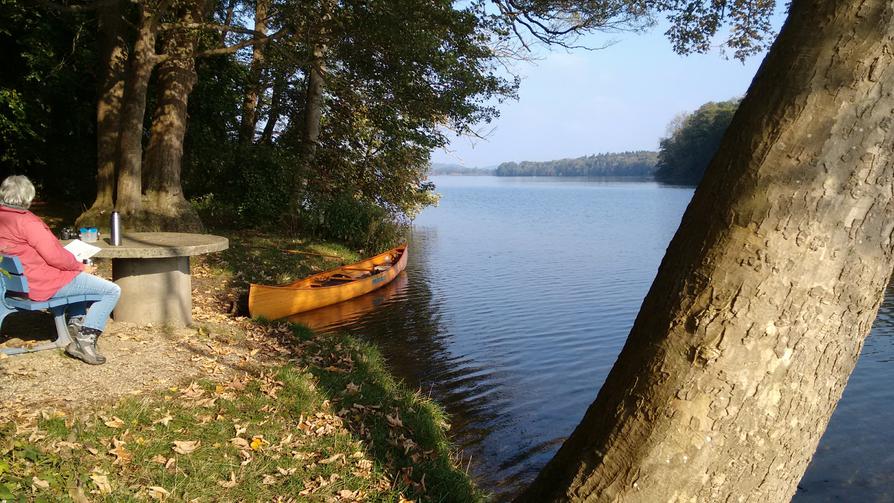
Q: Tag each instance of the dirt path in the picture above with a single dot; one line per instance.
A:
(140, 358)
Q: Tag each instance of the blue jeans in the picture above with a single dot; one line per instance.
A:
(98, 313)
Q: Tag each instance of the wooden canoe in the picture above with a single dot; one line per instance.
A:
(327, 288)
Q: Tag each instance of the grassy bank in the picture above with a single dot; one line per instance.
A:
(286, 415)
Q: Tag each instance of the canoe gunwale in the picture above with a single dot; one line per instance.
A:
(279, 301)
(402, 249)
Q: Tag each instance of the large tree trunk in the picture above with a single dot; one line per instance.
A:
(313, 105)
(756, 319)
(165, 207)
(253, 91)
(140, 65)
(113, 58)
(280, 83)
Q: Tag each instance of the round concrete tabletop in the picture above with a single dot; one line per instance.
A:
(161, 245)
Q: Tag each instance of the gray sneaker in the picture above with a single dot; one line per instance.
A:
(83, 346)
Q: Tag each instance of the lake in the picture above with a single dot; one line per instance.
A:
(517, 298)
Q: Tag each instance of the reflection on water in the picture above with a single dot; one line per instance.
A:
(354, 311)
(516, 300)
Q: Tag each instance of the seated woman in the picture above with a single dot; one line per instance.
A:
(52, 271)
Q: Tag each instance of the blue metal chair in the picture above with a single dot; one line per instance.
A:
(14, 297)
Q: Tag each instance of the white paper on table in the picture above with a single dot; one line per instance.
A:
(81, 250)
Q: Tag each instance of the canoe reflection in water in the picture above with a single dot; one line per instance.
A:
(349, 310)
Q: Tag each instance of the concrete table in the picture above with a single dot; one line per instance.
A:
(152, 269)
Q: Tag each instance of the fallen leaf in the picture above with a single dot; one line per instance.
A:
(257, 443)
(158, 458)
(394, 420)
(164, 420)
(158, 493)
(185, 446)
(332, 459)
(122, 455)
(102, 482)
(269, 480)
(239, 442)
(113, 422)
(228, 483)
(76, 493)
(37, 483)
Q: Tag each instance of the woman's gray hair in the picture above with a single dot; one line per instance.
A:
(17, 190)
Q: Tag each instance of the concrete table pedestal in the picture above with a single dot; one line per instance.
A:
(152, 269)
(153, 290)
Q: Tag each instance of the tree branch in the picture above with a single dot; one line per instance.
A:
(211, 26)
(245, 43)
(58, 7)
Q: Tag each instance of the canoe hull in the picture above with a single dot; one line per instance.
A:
(274, 302)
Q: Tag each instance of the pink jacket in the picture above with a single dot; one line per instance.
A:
(48, 266)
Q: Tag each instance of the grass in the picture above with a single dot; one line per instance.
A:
(333, 425)
(257, 257)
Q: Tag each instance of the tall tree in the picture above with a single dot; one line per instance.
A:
(113, 58)
(255, 85)
(141, 62)
(165, 203)
(747, 337)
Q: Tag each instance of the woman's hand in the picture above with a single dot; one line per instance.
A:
(90, 268)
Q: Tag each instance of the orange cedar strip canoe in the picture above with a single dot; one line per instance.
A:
(327, 288)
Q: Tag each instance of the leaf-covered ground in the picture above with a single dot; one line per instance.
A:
(260, 412)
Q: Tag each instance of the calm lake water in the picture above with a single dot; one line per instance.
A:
(517, 298)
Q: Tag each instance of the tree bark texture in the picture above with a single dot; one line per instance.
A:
(113, 54)
(280, 82)
(254, 88)
(130, 144)
(313, 105)
(758, 313)
(313, 114)
(165, 207)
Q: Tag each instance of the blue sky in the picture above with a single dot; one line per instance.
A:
(585, 102)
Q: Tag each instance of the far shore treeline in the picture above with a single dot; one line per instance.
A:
(693, 139)
(639, 163)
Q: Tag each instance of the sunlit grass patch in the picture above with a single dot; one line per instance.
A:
(256, 257)
(331, 426)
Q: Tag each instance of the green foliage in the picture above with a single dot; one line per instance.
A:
(638, 163)
(361, 224)
(252, 190)
(47, 98)
(684, 156)
(695, 23)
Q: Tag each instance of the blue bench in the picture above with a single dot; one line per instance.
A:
(14, 297)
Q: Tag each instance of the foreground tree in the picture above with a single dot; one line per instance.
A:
(756, 319)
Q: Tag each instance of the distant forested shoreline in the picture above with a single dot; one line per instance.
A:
(457, 169)
(638, 163)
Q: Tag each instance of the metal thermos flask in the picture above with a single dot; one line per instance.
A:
(115, 229)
